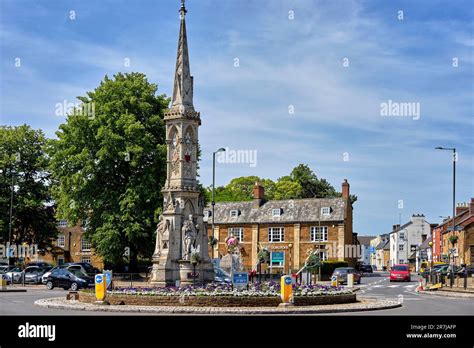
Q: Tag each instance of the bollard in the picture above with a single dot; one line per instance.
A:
(350, 280)
(465, 279)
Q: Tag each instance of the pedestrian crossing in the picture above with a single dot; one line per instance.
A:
(410, 286)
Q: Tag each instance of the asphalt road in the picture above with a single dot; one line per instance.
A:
(414, 303)
(378, 286)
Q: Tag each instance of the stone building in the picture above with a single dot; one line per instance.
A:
(290, 229)
(405, 239)
(462, 252)
(70, 246)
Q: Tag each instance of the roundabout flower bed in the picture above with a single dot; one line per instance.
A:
(222, 295)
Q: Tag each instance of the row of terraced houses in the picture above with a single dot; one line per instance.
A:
(419, 241)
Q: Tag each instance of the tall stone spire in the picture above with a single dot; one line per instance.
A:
(182, 101)
(181, 231)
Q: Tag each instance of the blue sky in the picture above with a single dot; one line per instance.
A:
(283, 62)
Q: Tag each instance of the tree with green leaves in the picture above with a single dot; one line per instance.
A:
(108, 166)
(301, 183)
(23, 168)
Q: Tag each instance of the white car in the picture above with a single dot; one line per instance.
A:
(14, 275)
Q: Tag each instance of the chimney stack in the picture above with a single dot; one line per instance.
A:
(345, 189)
(460, 207)
(395, 227)
(258, 195)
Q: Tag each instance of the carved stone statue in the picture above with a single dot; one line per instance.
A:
(162, 235)
(190, 232)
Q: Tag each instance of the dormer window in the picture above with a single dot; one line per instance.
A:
(62, 223)
(276, 212)
(234, 213)
(326, 210)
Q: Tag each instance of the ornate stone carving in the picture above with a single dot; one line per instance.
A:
(162, 236)
(190, 233)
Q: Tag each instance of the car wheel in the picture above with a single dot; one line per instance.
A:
(49, 285)
(74, 286)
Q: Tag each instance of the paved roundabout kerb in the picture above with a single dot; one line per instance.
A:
(361, 305)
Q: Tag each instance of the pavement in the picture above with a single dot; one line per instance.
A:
(376, 286)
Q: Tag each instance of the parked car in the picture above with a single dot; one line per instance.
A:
(5, 269)
(14, 274)
(69, 279)
(445, 269)
(400, 272)
(85, 267)
(366, 269)
(40, 264)
(33, 274)
(342, 272)
(221, 276)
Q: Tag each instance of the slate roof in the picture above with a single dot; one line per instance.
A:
(387, 245)
(365, 240)
(292, 211)
(401, 227)
(425, 244)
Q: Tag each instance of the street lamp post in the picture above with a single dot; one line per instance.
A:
(213, 203)
(454, 198)
(431, 259)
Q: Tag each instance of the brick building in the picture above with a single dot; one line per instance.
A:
(70, 246)
(464, 247)
(288, 228)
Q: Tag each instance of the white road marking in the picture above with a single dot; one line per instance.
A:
(393, 286)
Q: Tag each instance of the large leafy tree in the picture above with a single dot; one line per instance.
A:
(301, 183)
(109, 166)
(23, 167)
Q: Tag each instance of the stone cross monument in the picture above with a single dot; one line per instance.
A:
(181, 229)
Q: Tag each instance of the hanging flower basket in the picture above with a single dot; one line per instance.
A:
(453, 239)
(212, 241)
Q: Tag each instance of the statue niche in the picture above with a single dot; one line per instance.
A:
(162, 236)
(189, 232)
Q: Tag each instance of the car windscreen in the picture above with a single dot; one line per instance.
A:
(78, 273)
(341, 271)
(400, 268)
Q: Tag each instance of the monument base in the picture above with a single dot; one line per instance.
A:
(182, 271)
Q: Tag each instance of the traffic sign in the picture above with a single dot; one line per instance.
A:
(240, 279)
(372, 249)
(286, 288)
(108, 279)
(334, 280)
(100, 287)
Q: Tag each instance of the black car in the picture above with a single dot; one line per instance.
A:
(40, 264)
(84, 266)
(69, 279)
(366, 269)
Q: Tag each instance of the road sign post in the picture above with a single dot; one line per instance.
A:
(350, 280)
(334, 280)
(4, 281)
(100, 287)
(108, 279)
(286, 289)
(240, 280)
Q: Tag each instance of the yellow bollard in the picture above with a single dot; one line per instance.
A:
(286, 289)
(100, 287)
